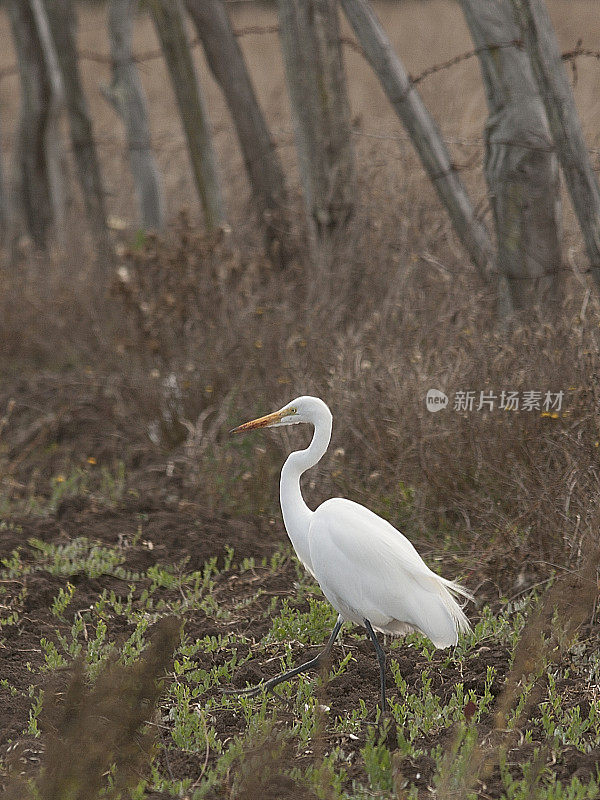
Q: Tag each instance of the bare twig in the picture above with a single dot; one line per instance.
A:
(9, 409)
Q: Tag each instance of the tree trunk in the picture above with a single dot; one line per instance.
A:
(423, 132)
(62, 18)
(169, 26)
(264, 169)
(32, 188)
(56, 160)
(553, 84)
(127, 97)
(521, 166)
(316, 82)
(4, 209)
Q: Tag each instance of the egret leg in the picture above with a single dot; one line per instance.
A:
(381, 660)
(315, 662)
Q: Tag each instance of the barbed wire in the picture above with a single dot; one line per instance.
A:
(569, 55)
(157, 53)
(476, 141)
(284, 135)
(257, 30)
(452, 62)
(579, 51)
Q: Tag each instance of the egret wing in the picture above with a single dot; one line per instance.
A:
(368, 569)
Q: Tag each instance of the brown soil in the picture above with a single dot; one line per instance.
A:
(177, 536)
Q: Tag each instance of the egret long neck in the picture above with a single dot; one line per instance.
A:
(296, 514)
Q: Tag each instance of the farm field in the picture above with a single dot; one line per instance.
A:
(144, 566)
(94, 576)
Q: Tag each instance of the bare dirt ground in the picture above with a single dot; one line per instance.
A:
(177, 536)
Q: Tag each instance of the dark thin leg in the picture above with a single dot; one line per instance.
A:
(314, 662)
(381, 659)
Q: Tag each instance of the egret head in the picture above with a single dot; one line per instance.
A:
(302, 409)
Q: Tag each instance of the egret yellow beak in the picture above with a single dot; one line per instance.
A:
(261, 422)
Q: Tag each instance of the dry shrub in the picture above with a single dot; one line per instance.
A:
(197, 334)
(545, 641)
(262, 771)
(92, 731)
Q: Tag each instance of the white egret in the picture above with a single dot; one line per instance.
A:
(370, 572)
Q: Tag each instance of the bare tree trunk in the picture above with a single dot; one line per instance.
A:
(169, 26)
(32, 189)
(553, 84)
(264, 169)
(62, 18)
(316, 82)
(423, 132)
(4, 209)
(127, 96)
(521, 166)
(55, 152)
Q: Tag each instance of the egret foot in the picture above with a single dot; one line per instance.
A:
(314, 663)
(388, 732)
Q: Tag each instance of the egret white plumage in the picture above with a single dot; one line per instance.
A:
(370, 572)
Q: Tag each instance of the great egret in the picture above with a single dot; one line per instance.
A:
(370, 573)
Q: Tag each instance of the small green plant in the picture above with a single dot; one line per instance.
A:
(71, 485)
(62, 600)
(78, 555)
(13, 566)
(378, 764)
(34, 711)
(52, 658)
(113, 484)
